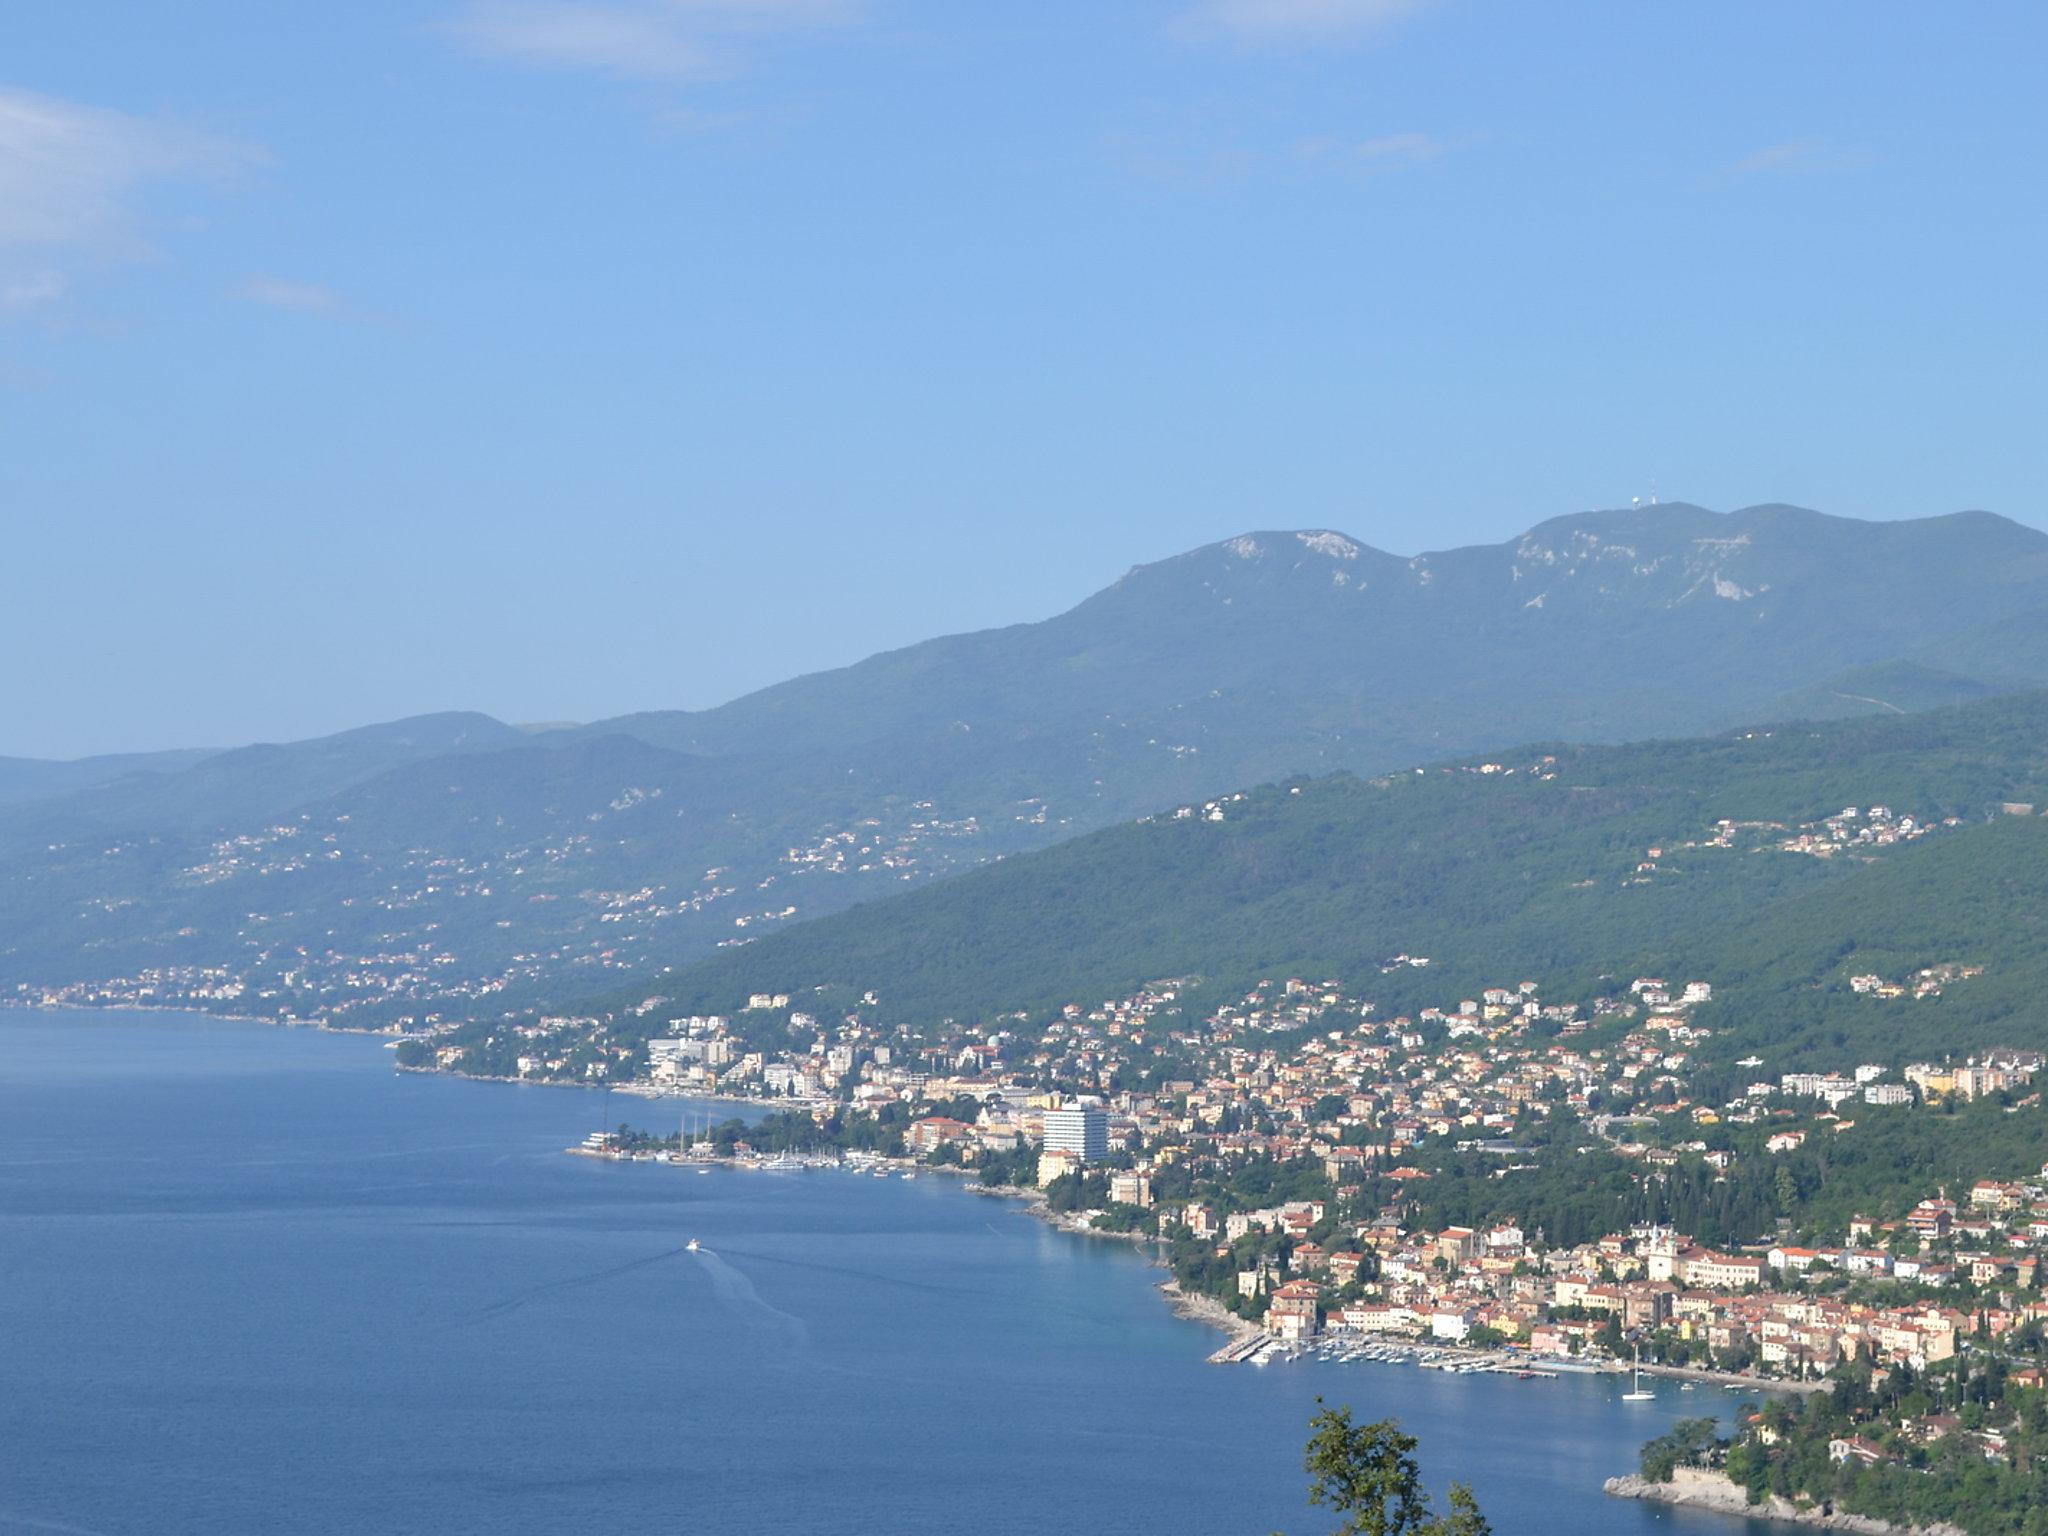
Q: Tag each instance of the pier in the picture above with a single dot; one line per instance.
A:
(1238, 1351)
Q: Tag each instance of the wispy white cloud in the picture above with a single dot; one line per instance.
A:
(1207, 167)
(31, 289)
(1391, 149)
(1383, 152)
(1790, 156)
(71, 178)
(1185, 167)
(667, 41)
(283, 293)
(1294, 23)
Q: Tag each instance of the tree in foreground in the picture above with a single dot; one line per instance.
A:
(1367, 1473)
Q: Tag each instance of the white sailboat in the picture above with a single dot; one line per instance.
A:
(1638, 1395)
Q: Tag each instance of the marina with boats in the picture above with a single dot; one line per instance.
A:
(1263, 1349)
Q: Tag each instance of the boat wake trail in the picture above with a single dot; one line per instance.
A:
(737, 1291)
(851, 1274)
(874, 1277)
(574, 1282)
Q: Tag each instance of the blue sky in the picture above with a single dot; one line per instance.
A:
(558, 359)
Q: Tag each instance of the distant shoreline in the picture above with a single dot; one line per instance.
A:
(638, 1091)
(215, 1014)
(633, 1093)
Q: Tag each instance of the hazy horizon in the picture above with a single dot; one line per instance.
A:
(569, 721)
(559, 359)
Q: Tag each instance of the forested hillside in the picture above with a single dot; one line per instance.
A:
(1726, 859)
(429, 864)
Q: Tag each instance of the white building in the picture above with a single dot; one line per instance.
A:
(1080, 1130)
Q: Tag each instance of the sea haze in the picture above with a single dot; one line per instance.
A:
(539, 868)
(254, 1281)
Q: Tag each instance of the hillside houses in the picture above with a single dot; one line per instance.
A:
(1289, 1154)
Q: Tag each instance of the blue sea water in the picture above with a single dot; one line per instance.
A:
(252, 1280)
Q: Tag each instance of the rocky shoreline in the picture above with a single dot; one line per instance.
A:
(1692, 1488)
(1197, 1308)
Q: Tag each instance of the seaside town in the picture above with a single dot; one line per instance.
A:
(1316, 1168)
(316, 919)
(451, 934)
(1294, 1172)
(1299, 1090)
(1522, 1180)
(1217, 767)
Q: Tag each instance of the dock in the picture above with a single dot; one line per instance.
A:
(1238, 1351)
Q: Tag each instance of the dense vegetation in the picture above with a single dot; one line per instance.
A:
(437, 854)
(1503, 876)
(1960, 1442)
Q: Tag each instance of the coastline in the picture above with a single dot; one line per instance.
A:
(1693, 1488)
(285, 1021)
(1192, 1306)
(1197, 1308)
(654, 1096)
(275, 1021)
(1073, 1223)
(1718, 1378)
(1207, 1309)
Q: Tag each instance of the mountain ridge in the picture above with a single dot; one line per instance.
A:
(1563, 863)
(1340, 552)
(945, 668)
(652, 838)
